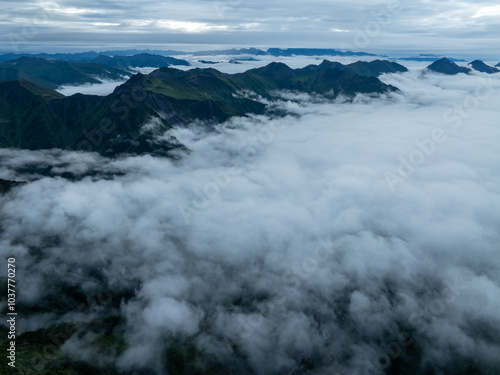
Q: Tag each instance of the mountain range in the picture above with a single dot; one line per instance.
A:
(51, 73)
(138, 61)
(313, 52)
(34, 117)
(54, 73)
(84, 57)
(363, 68)
(427, 57)
(448, 67)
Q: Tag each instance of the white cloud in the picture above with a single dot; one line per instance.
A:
(104, 88)
(448, 24)
(188, 26)
(490, 11)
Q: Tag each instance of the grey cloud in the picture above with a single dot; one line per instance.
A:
(275, 23)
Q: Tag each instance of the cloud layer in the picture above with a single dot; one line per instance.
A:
(104, 88)
(280, 245)
(462, 27)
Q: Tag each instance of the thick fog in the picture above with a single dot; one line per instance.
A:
(104, 88)
(345, 238)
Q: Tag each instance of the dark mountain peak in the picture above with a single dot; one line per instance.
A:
(138, 76)
(480, 66)
(169, 73)
(330, 64)
(446, 66)
(273, 68)
(278, 65)
(325, 64)
(381, 64)
(202, 71)
(376, 68)
(137, 80)
(363, 68)
(279, 75)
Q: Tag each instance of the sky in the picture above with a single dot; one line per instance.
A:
(343, 234)
(443, 26)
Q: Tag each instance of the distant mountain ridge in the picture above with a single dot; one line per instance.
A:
(232, 51)
(33, 117)
(428, 57)
(313, 52)
(363, 68)
(142, 60)
(85, 57)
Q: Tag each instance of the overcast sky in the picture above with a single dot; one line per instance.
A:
(452, 26)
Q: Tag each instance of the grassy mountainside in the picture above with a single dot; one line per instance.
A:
(33, 117)
(54, 73)
(25, 118)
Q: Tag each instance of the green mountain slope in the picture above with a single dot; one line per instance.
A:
(25, 118)
(54, 73)
(33, 117)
